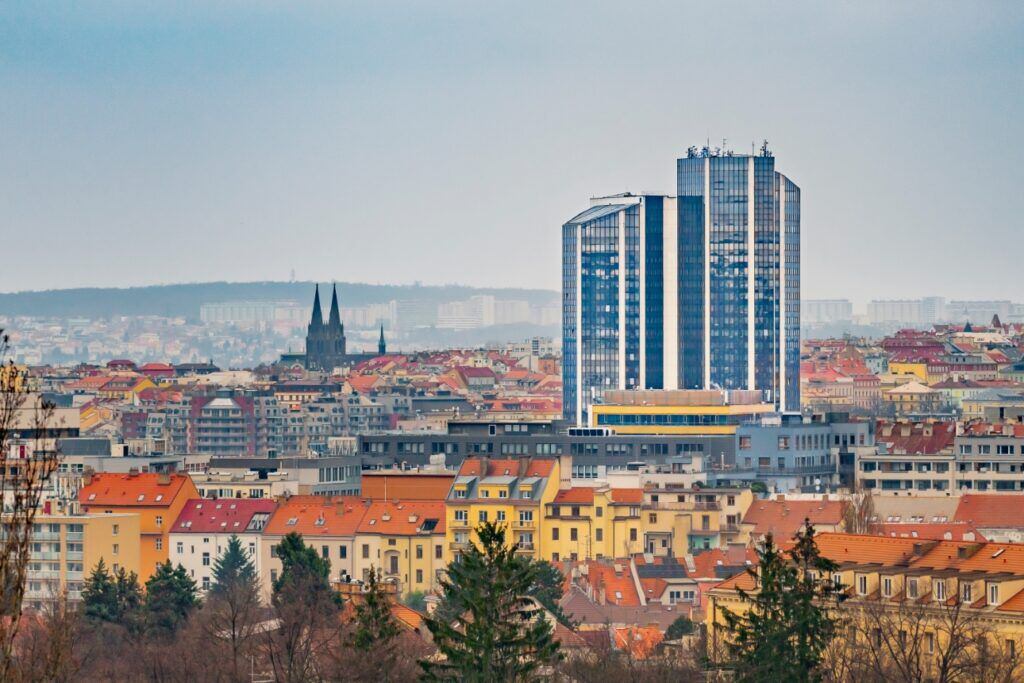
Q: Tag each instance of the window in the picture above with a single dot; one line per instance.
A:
(965, 592)
(206, 559)
(554, 533)
(599, 535)
(744, 443)
(438, 552)
(159, 543)
(419, 552)
(887, 587)
(929, 642)
(115, 529)
(783, 443)
(501, 516)
(366, 551)
(206, 583)
(939, 588)
(653, 518)
(159, 520)
(180, 548)
(632, 534)
(600, 512)
(993, 594)
(115, 549)
(419, 576)
(343, 551)
(325, 552)
(862, 585)
(461, 516)
(482, 515)
(912, 588)
(573, 535)
(730, 500)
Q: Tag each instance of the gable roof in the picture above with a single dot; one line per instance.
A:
(227, 515)
(318, 516)
(783, 518)
(410, 518)
(135, 490)
(988, 511)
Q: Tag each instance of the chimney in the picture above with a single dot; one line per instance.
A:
(339, 507)
(87, 477)
(163, 479)
(133, 471)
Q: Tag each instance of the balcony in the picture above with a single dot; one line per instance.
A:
(523, 524)
(459, 546)
(524, 547)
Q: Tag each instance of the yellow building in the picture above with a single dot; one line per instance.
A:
(405, 540)
(917, 369)
(512, 492)
(65, 548)
(157, 498)
(678, 520)
(592, 523)
(677, 412)
(892, 587)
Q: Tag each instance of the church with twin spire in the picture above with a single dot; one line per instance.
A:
(325, 342)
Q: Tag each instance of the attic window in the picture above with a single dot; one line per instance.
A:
(236, 524)
(141, 496)
(292, 521)
(320, 521)
(199, 506)
(618, 595)
(92, 496)
(998, 552)
(372, 522)
(159, 497)
(223, 524)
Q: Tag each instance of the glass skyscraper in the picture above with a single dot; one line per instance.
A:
(696, 291)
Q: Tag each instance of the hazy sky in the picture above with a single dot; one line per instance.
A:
(447, 142)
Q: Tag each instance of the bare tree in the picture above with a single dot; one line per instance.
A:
(48, 647)
(28, 457)
(307, 625)
(860, 511)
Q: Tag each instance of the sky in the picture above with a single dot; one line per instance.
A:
(439, 142)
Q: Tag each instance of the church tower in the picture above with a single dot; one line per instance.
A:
(325, 344)
(382, 348)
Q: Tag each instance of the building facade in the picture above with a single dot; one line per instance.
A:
(696, 291)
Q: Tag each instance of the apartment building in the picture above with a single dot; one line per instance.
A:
(508, 491)
(65, 548)
(156, 498)
(405, 541)
(584, 522)
(984, 581)
(327, 524)
(203, 529)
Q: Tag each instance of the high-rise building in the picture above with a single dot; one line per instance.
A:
(696, 291)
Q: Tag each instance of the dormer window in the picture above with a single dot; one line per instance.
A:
(993, 594)
(887, 587)
(965, 592)
(939, 588)
(292, 521)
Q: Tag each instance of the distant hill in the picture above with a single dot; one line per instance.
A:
(184, 300)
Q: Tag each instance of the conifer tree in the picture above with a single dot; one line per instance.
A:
(232, 569)
(786, 627)
(497, 633)
(99, 594)
(170, 598)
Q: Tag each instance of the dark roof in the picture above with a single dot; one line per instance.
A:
(84, 446)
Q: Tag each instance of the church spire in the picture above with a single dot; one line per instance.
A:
(335, 320)
(382, 347)
(318, 317)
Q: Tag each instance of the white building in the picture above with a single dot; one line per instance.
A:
(203, 529)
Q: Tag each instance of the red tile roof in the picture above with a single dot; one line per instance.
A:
(784, 518)
(318, 516)
(1001, 511)
(627, 496)
(227, 515)
(937, 531)
(581, 495)
(389, 518)
(917, 438)
(535, 467)
(639, 641)
(135, 490)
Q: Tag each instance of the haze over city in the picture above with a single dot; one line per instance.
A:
(448, 142)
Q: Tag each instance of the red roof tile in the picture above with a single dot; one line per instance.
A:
(227, 515)
(136, 490)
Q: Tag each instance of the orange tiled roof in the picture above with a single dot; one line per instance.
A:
(390, 518)
(627, 496)
(536, 467)
(653, 588)
(705, 562)
(407, 616)
(991, 510)
(134, 490)
(783, 518)
(398, 485)
(640, 641)
(582, 495)
(866, 549)
(340, 516)
(619, 588)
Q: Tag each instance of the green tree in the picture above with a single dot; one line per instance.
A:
(787, 626)
(301, 564)
(233, 568)
(682, 626)
(129, 598)
(548, 588)
(99, 595)
(375, 625)
(170, 598)
(233, 603)
(416, 600)
(498, 634)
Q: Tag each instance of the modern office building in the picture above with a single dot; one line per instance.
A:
(696, 291)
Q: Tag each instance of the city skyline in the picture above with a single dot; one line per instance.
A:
(220, 140)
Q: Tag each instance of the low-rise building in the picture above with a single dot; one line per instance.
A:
(405, 541)
(203, 529)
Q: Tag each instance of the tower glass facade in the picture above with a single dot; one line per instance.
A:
(708, 299)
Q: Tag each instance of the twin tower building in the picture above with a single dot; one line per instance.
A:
(700, 290)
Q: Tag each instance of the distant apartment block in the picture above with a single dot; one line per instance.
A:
(825, 311)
